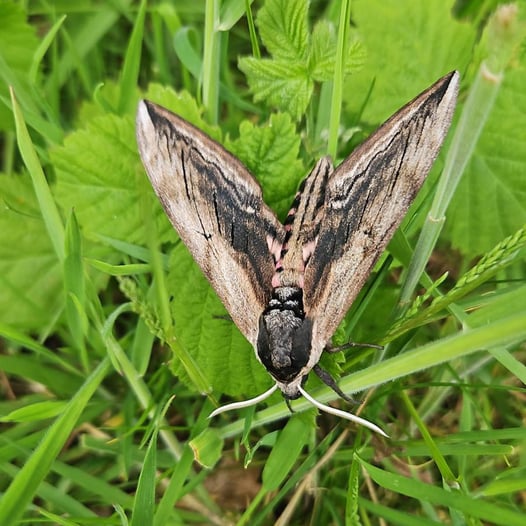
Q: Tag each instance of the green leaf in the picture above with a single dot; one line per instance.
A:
(23, 487)
(283, 27)
(352, 518)
(31, 293)
(456, 500)
(46, 202)
(204, 330)
(285, 85)
(144, 503)
(416, 43)
(207, 447)
(74, 285)
(322, 60)
(286, 451)
(490, 201)
(18, 43)
(286, 81)
(98, 173)
(271, 153)
(130, 70)
(35, 412)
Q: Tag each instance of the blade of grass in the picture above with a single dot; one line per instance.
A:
(456, 500)
(144, 503)
(502, 34)
(252, 30)
(440, 461)
(48, 207)
(23, 487)
(337, 82)
(132, 60)
(211, 54)
(43, 48)
(86, 39)
(502, 332)
(75, 289)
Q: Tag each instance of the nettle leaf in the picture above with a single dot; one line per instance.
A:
(323, 52)
(286, 81)
(31, 293)
(283, 26)
(409, 45)
(284, 85)
(202, 326)
(99, 174)
(184, 105)
(490, 201)
(271, 154)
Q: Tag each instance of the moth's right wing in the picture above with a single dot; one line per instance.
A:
(217, 208)
(367, 197)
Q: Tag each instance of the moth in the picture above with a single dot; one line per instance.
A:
(288, 286)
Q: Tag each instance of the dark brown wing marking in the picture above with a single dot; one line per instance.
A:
(217, 208)
(366, 199)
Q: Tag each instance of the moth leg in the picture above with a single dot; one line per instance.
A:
(287, 401)
(327, 379)
(349, 345)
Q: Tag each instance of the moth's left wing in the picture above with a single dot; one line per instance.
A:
(366, 198)
(217, 208)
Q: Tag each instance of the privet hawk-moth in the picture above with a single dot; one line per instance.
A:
(288, 286)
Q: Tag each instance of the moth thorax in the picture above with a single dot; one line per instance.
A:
(284, 338)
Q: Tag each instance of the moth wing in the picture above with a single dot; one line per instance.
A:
(217, 208)
(366, 198)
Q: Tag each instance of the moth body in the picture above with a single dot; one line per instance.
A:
(288, 286)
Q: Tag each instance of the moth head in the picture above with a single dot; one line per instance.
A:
(284, 348)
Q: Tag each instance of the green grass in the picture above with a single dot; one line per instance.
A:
(114, 350)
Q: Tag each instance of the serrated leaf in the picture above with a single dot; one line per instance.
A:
(31, 294)
(322, 58)
(270, 152)
(98, 173)
(284, 85)
(490, 201)
(409, 45)
(322, 52)
(283, 27)
(184, 105)
(203, 328)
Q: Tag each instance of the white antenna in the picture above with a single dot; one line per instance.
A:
(342, 414)
(246, 403)
(314, 402)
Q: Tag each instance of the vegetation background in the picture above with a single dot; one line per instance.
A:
(114, 349)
